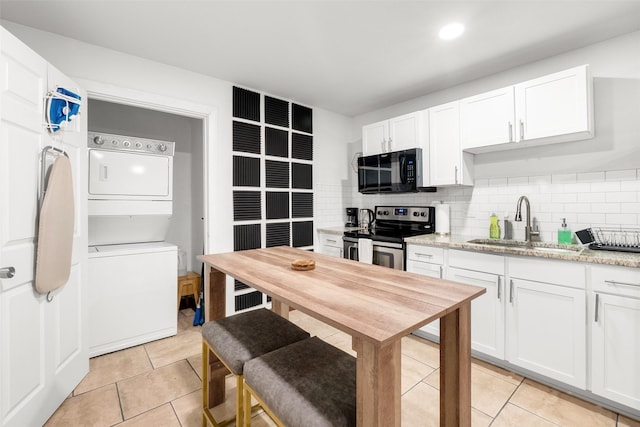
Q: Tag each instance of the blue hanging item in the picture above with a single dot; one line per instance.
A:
(63, 105)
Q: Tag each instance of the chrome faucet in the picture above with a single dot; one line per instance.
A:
(528, 232)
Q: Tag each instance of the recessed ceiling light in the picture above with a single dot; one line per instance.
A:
(451, 31)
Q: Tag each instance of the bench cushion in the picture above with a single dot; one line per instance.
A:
(241, 337)
(306, 384)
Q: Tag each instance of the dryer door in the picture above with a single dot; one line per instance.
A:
(118, 175)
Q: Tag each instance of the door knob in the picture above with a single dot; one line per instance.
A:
(7, 272)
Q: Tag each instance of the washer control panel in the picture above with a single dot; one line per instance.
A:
(107, 141)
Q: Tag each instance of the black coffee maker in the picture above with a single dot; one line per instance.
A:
(352, 217)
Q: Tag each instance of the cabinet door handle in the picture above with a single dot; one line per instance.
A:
(499, 286)
(425, 255)
(441, 269)
(510, 132)
(331, 240)
(7, 272)
(455, 172)
(615, 282)
(521, 130)
(510, 291)
(596, 310)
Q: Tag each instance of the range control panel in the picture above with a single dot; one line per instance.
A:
(106, 141)
(405, 213)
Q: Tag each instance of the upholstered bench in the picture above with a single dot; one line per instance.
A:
(306, 384)
(234, 341)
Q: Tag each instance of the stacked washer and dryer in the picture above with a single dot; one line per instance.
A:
(132, 270)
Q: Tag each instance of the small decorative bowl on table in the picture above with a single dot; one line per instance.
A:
(303, 264)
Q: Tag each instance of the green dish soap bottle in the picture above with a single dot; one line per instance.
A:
(565, 236)
(494, 228)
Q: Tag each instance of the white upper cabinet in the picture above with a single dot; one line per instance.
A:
(448, 165)
(554, 108)
(375, 137)
(398, 133)
(557, 106)
(487, 119)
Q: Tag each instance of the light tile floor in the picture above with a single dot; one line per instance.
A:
(159, 384)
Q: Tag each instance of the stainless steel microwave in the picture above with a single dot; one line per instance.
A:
(394, 172)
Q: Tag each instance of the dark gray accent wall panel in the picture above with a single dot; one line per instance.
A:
(302, 205)
(238, 285)
(246, 237)
(301, 146)
(246, 137)
(276, 174)
(301, 176)
(277, 204)
(278, 234)
(276, 142)
(276, 111)
(246, 104)
(302, 233)
(246, 205)
(248, 300)
(301, 118)
(246, 171)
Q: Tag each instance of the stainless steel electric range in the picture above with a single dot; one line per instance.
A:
(391, 226)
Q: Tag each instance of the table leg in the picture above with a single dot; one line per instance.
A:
(279, 308)
(455, 368)
(215, 289)
(378, 383)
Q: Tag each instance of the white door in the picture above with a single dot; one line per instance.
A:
(444, 144)
(487, 311)
(546, 330)
(406, 132)
(487, 119)
(44, 349)
(430, 270)
(374, 138)
(615, 347)
(122, 175)
(553, 105)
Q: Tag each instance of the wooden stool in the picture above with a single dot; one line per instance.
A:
(307, 383)
(189, 284)
(234, 340)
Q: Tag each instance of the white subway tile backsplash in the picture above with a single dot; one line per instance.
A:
(623, 196)
(590, 177)
(622, 175)
(519, 180)
(606, 187)
(592, 199)
(631, 208)
(592, 218)
(567, 178)
(622, 219)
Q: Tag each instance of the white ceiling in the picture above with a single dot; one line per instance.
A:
(350, 57)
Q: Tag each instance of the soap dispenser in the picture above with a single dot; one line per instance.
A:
(494, 227)
(565, 236)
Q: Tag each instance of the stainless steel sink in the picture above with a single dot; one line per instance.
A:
(536, 246)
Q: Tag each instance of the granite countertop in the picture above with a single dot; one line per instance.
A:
(541, 249)
(339, 229)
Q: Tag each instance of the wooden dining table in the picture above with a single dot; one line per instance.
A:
(376, 305)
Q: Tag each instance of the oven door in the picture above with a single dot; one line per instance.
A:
(115, 175)
(386, 254)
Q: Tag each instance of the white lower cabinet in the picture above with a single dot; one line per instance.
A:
(331, 244)
(615, 328)
(487, 311)
(540, 315)
(545, 319)
(428, 261)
